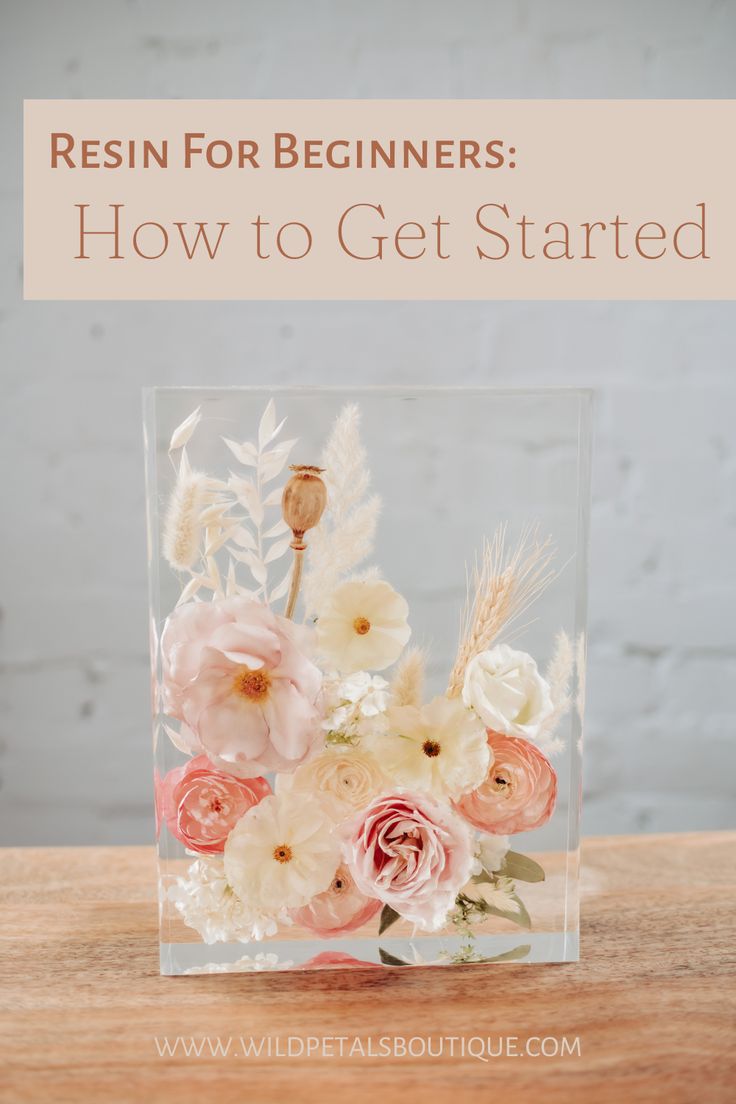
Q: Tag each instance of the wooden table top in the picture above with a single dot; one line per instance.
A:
(653, 1001)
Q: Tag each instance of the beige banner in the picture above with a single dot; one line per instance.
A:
(378, 199)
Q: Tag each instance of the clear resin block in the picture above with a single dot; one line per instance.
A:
(368, 654)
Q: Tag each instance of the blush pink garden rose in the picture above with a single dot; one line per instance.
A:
(201, 804)
(412, 853)
(519, 792)
(341, 908)
(237, 677)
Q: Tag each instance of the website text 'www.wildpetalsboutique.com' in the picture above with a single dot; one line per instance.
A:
(481, 1048)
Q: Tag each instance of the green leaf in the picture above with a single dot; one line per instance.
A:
(521, 868)
(521, 917)
(509, 956)
(391, 960)
(388, 917)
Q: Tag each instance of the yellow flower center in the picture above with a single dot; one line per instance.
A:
(282, 853)
(253, 685)
(431, 749)
(361, 625)
(500, 783)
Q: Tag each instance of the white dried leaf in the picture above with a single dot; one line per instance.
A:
(231, 586)
(183, 432)
(282, 588)
(214, 573)
(274, 498)
(215, 540)
(247, 493)
(267, 429)
(245, 453)
(246, 557)
(214, 513)
(243, 537)
(276, 530)
(272, 465)
(189, 590)
(259, 573)
(277, 550)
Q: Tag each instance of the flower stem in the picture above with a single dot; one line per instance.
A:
(296, 578)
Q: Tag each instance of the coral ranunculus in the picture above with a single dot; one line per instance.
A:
(327, 959)
(411, 852)
(519, 792)
(201, 804)
(340, 909)
(237, 677)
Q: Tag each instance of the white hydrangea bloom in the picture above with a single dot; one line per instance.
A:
(355, 706)
(208, 903)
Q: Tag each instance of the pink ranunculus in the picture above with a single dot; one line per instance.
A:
(328, 959)
(412, 853)
(341, 908)
(237, 677)
(201, 804)
(519, 792)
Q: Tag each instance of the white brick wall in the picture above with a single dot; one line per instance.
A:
(74, 757)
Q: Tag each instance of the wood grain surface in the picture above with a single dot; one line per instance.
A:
(653, 1001)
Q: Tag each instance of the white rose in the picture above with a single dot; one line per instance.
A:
(506, 690)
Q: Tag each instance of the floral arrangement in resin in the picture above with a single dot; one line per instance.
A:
(324, 792)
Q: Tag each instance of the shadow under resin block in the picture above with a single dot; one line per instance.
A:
(368, 650)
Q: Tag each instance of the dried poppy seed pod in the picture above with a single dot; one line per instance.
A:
(303, 502)
(302, 505)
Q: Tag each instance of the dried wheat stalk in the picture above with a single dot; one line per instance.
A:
(502, 586)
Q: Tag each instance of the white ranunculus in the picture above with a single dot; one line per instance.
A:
(343, 779)
(506, 690)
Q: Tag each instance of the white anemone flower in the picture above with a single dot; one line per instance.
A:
(364, 626)
(441, 748)
(283, 855)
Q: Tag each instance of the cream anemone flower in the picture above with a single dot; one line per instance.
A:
(441, 748)
(363, 626)
(283, 856)
(344, 779)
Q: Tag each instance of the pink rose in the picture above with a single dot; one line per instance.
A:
(412, 853)
(339, 909)
(519, 792)
(235, 674)
(201, 804)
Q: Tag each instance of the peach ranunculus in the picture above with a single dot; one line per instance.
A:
(341, 908)
(519, 792)
(201, 804)
(412, 853)
(236, 676)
